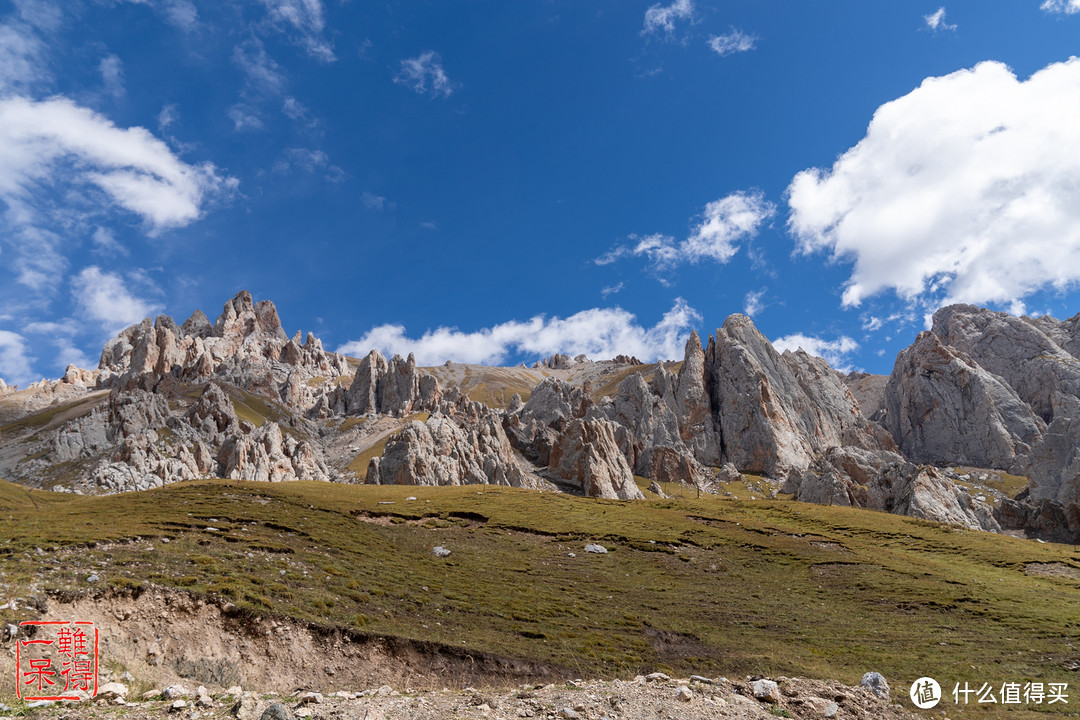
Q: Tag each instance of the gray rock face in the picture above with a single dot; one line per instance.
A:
(644, 422)
(943, 408)
(264, 455)
(246, 347)
(775, 412)
(586, 456)
(1054, 462)
(444, 452)
(693, 407)
(1018, 350)
(869, 393)
(393, 387)
(882, 480)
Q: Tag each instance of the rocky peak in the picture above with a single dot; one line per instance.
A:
(943, 407)
(240, 317)
(1020, 352)
(394, 387)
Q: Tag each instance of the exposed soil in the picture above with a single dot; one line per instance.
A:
(166, 636)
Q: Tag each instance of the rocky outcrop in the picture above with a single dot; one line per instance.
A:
(586, 456)
(869, 393)
(263, 454)
(246, 346)
(1053, 466)
(1020, 351)
(1044, 519)
(693, 407)
(942, 408)
(883, 480)
(393, 387)
(442, 452)
(775, 412)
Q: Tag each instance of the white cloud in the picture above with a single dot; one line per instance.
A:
(23, 59)
(61, 334)
(752, 303)
(727, 221)
(1069, 7)
(722, 226)
(663, 17)
(38, 262)
(104, 298)
(963, 190)
(599, 333)
(181, 14)
(375, 202)
(244, 118)
(872, 323)
(168, 116)
(306, 17)
(56, 141)
(835, 352)
(15, 365)
(105, 243)
(112, 75)
(425, 73)
(309, 160)
(936, 20)
(261, 72)
(733, 42)
(611, 290)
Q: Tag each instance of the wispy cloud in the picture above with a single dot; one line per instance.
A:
(599, 333)
(305, 19)
(752, 303)
(112, 75)
(661, 18)
(936, 20)
(733, 42)
(611, 290)
(105, 298)
(56, 142)
(724, 224)
(16, 365)
(310, 161)
(425, 73)
(1067, 7)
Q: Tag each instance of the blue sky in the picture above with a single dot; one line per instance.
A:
(497, 181)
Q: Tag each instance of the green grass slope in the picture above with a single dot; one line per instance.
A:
(704, 586)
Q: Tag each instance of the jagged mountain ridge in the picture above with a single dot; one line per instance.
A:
(240, 399)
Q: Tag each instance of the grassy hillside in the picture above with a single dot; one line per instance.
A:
(706, 586)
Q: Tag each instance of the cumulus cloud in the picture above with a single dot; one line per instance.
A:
(105, 298)
(599, 333)
(716, 235)
(15, 364)
(305, 17)
(835, 352)
(662, 18)
(56, 142)
(963, 190)
(1068, 7)
(733, 42)
(425, 73)
(936, 20)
